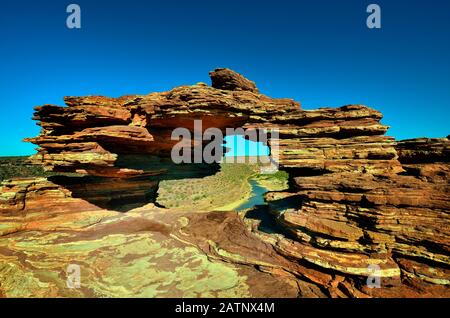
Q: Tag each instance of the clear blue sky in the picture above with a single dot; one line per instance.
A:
(318, 52)
(239, 146)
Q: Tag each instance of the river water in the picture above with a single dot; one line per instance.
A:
(257, 197)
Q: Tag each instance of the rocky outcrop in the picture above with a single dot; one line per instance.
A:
(224, 78)
(384, 215)
(40, 196)
(91, 133)
(424, 150)
(360, 205)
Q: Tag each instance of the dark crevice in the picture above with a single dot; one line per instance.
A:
(267, 221)
(425, 261)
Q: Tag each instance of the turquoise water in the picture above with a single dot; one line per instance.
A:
(257, 197)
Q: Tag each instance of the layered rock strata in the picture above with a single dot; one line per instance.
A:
(376, 213)
(360, 206)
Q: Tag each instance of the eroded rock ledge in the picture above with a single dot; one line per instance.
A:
(357, 197)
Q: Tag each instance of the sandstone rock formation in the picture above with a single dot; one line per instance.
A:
(224, 78)
(91, 133)
(359, 205)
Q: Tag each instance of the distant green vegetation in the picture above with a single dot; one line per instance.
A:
(213, 192)
(17, 167)
(225, 190)
(277, 181)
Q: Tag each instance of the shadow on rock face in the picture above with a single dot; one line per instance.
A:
(167, 168)
(114, 194)
(125, 194)
(267, 215)
(267, 221)
(286, 203)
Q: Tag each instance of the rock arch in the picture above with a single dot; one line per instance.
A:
(357, 198)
